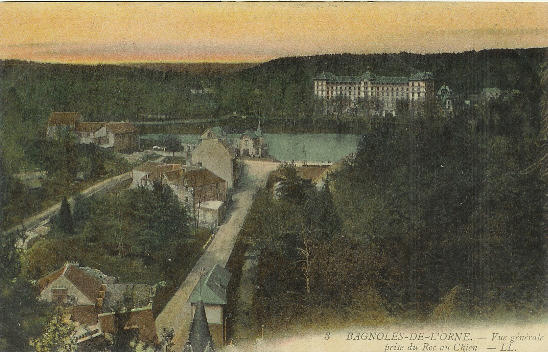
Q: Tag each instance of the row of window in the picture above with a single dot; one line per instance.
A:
(390, 89)
(378, 94)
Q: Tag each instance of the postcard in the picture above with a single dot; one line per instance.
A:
(273, 176)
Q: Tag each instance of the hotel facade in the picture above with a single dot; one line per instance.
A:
(387, 90)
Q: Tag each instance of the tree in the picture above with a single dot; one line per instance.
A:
(172, 144)
(65, 223)
(19, 308)
(322, 213)
(292, 187)
(57, 335)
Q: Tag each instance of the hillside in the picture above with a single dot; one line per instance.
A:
(279, 92)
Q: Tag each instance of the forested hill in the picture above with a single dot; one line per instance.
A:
(278, 88)
(468, 71)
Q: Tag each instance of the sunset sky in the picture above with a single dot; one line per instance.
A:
(251, 32)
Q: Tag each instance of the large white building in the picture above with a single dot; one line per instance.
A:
(387, 90)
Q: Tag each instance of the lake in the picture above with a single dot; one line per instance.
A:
(328, 147)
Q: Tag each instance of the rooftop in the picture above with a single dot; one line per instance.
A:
(63, 118)
(83, 281)
(201, 177)
(121, 127)
(211, 289)
(368, 76)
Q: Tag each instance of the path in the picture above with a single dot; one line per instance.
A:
(42, 218)
(177, 313)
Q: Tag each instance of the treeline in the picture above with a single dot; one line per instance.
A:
(309, 270)
(457, 206)
(437, 218)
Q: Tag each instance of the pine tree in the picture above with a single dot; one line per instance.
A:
(65, 223)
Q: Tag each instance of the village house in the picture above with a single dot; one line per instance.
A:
(60, 123)
(316, 174)
(252, 144)
(214, 133)
(211, 293)
(90, 132)
(217, 156)
(205, 194)
(120, 136)
(146, 174)
(75, 287)
(202, 192)
(446, 98)
(94, 298)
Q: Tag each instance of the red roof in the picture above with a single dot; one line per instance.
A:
(84, 282)
(149, 167)
(171, 171)
(201, 177)
(63, 118)
(89, 126)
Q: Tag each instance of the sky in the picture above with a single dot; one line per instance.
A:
(260, 31)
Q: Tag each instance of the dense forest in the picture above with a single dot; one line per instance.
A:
(438, 218)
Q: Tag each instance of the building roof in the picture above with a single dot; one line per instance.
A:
(249, 133)
(211, 289)
(313, 173)
(89, 126)
(201, 177)
(148, 167)
(121, 127)
(63, 118)
(368, 76)
(171, 171)
(84, 282)
(139, 318)
(390, 80)
(215, 132)
(199, 338)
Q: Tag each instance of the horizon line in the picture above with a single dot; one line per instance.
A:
(243, 61)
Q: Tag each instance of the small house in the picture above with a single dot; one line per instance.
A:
(75, 287)
(60, 123)
(211, 292)
(216, 156)
(252, 144)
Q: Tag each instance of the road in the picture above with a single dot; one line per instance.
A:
(177, 312)
(42, 218)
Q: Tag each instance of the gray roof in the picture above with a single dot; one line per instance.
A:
(211, 289)
(368, 76)
(199, 338)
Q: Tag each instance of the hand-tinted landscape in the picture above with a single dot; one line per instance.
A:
(170, 205)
